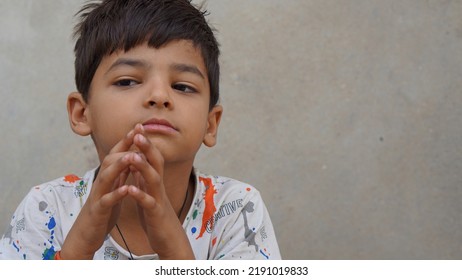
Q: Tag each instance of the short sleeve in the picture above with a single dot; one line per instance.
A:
(33, 232)
(249, 235)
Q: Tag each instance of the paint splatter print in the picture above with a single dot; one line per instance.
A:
(71, 178)
(249, 235)
(234, 225)
(80, 189)
(227, 220)
(111, 253)
(209, 211)
(49, 253)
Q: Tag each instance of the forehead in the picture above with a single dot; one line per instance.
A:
(175, 52)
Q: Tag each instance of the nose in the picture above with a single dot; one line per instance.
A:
(159, 97)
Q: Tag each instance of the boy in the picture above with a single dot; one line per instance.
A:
(147, 76)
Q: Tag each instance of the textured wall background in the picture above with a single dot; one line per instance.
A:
(345, 114)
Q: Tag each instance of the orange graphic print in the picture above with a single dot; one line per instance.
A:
(209, 209)
(71, 178)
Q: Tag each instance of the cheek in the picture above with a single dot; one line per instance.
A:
(108, 130)
(196, 121)
(198, 133)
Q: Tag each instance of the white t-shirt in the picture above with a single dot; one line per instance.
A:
(227, 220)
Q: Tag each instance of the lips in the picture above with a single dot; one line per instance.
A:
(159, 126)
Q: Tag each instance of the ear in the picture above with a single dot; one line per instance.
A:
(213, 121)
(78, 114)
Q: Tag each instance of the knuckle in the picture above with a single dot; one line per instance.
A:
(157, 180)
(102, 180)
(105, 163)
(161, 160)
(103, 203)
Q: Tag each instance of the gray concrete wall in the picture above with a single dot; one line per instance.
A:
(345, 114)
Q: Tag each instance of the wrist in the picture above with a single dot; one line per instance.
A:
(66, 255)
(72, 251)
(180, 256)
(183, 253)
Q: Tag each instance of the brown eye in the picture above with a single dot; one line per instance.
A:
(184, 88)
(125, 83)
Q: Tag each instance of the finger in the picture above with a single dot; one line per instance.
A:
(112, 174)
(111, 199)
(125, 143)
(123, 177)
(152, 154)
(141, 217)
(145, 201)
(136, 176)
(150, 180)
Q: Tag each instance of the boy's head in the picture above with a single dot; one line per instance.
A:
(112, 25)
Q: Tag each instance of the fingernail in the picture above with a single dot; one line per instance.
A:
(122, 189)
(139, 127)
(141, 138)
(137, 157)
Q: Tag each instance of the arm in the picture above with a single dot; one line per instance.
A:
(28, 236)
(37, 227)
(100, 211)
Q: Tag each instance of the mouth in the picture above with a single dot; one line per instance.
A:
(159, 126)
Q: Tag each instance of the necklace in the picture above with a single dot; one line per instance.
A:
(125, 242)
(179, 215)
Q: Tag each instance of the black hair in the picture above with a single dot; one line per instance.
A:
(110, 25)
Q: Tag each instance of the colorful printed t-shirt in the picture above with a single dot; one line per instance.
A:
(227, 220)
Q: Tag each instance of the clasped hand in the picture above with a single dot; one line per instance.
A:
(136, 157)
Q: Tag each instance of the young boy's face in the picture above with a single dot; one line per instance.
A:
(166, 90)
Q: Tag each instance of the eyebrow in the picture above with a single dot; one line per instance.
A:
(180, 67)
(137, 63)
(129, 62)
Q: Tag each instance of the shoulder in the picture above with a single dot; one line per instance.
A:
(224, 186)
(72, 184)
(220, 199)
(220, 193)
(229, 220)
(69, 191)
(45, 215)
